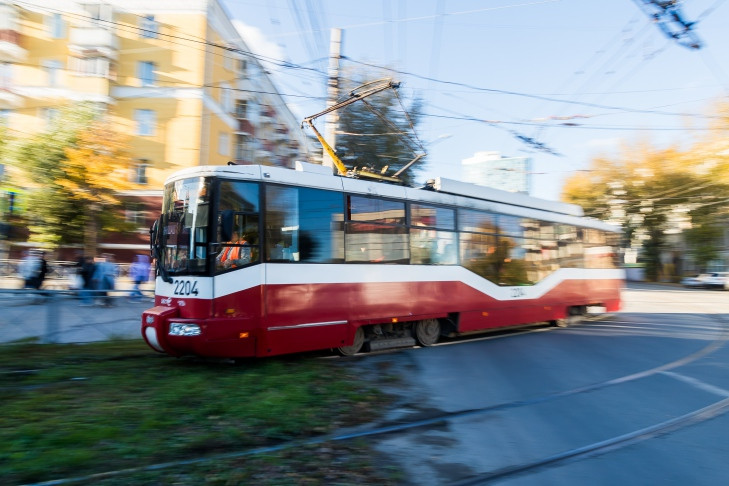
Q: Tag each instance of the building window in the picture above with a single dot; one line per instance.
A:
(242, 66)
(223, 144)
(146, 122)
(226, 99)
(134, 213)
(53, 70)
(146, 72)
(149, 27)
(5, 117)
(243, 148)
(6, 75)
(252, 110)
(241, 109)
(90, 66)
(49, 116)
(56, 26)
(139, 175)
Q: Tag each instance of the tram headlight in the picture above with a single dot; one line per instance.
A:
(184, 329)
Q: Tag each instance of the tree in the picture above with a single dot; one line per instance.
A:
(652, 193)
(379, 131)
(77, 168)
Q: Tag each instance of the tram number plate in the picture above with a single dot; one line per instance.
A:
(185, 287)
(518, 292)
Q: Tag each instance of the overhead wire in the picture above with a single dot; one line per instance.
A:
(589, 62)
(285, 65)
(601, 69)
(527, 95)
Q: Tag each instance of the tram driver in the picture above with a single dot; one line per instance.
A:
(235, 253)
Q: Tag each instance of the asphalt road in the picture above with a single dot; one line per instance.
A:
(640, 397)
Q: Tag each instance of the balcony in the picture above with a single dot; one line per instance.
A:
(245, 126)
(10, 100)
(279, 133)
(10, 49)
(94, 42)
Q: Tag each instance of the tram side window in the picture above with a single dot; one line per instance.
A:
(569, 246)
(544, 254)
(477, 221)
(511, 225)
(613, 241)
(547, 230)
(239, 200)
(376, 231)
(512, 265)
(303, 224)
(432, 235)
(531, 228)
(506, 250)
(479, 255)
(600, 249)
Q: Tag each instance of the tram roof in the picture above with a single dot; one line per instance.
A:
(438, 191)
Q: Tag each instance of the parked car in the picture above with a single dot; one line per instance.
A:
(695, 281)
(717, 280)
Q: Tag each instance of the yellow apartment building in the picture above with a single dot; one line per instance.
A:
(174, 75)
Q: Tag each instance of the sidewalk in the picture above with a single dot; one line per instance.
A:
(57, 315)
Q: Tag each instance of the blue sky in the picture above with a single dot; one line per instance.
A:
(492, 71)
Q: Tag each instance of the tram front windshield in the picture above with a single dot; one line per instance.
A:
(184, 224)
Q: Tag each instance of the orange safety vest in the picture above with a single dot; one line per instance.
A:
(232, 252)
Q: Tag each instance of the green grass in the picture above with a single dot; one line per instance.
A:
(79, 410)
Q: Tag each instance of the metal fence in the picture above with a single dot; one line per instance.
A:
(57, 270)
(61, 316)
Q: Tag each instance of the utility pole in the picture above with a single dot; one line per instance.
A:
(330, 127)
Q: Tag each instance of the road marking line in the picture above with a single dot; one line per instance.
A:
(698, 384)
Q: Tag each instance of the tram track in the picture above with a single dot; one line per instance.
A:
(605, 446)
(688, 419)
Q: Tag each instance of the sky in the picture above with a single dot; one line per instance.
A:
(560, 81)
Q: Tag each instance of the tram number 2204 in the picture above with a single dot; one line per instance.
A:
(185, 287)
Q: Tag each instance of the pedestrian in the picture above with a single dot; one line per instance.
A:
(139, 273)
(76, 282)
(33, 269)
(43, 270)
(29, 269)
(86, 274)
(104, 278)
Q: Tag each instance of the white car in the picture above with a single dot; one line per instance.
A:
(717, 280)
(696, 281)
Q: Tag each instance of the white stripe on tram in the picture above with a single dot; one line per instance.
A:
(310, 324)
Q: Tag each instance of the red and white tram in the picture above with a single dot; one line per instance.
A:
(257, 261)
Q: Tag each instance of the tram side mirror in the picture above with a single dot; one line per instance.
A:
(227, 217)
(153, 238)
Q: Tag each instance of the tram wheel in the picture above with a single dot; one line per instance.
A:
(359, 338)
(427, 332)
